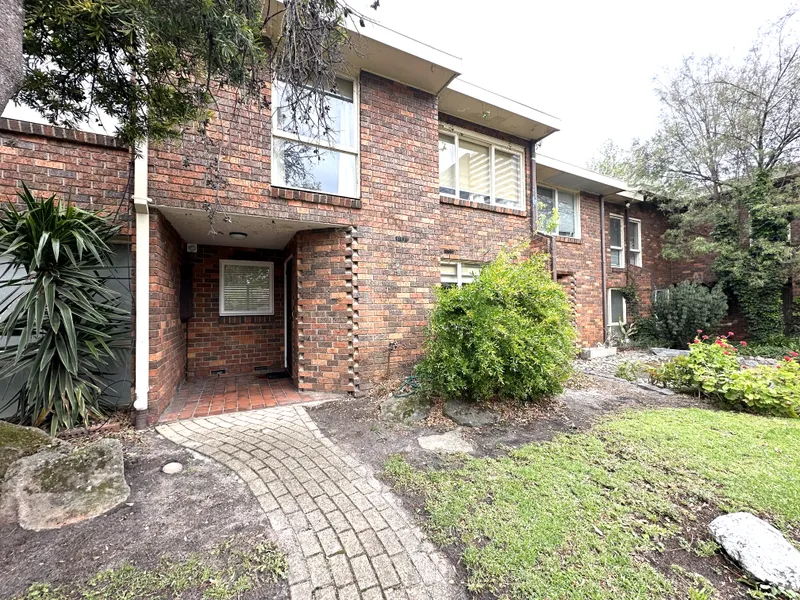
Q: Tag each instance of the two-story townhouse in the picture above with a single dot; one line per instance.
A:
(253, 250)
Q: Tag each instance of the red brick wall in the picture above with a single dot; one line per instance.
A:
(398, 249)
(323, 324)
(167, 332)
(236, 344)
(91, 170)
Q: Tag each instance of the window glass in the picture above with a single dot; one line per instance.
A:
(314, 168)
(566, 214)
(545, 204)
(469, 273)
(246, 288)
(459, 274)
(633, 235)
(617, 307)
(447, 164)
(615, 231)
(474, 171)
(507, 179)
(449, 272)
(341, 115)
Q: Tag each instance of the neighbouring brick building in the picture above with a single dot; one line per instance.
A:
(325, 267)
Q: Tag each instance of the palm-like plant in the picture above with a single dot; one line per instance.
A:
(62, 325)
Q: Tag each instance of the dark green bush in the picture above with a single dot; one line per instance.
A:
(508, 334)
(687, 308)
(772, 347)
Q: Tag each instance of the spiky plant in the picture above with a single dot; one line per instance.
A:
(61, 323)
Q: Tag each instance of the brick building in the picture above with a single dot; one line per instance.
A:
(327, 252)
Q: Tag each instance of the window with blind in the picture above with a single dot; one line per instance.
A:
(480, 169)
(246, 287)
(635, 242)
(458, 274)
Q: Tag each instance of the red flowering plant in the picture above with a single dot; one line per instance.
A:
(712, 369)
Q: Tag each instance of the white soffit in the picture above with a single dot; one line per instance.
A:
(557, 173)
(262, 232)
(478, 105)
(393, 55)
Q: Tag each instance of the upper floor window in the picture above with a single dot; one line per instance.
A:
(309, 154)
(480, 169)
(617, 235)
(635, 242)
(458, 274)
(617, 249)
(559, 212)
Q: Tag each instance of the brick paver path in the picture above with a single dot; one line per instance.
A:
(344, 533)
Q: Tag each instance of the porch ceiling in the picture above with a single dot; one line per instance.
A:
(262, 232)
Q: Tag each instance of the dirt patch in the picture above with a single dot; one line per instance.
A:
(356, 425)
(166, 516)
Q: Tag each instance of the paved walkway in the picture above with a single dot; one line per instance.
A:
(224, 395)
(345, 534)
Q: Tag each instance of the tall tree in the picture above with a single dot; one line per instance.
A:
(723, 165)
(154, 65)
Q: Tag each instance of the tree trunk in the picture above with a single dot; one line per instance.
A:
(12, 20)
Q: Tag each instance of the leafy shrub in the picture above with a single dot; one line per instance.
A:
(687, 307)
(712, 369)
(776, 347)
(62, 324)
(507, 334)
(631, 370)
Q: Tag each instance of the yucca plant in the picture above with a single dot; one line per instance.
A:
(61, 323)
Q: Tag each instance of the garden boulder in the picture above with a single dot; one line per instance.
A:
(17, 441)
(760, 549)
(469, 414)
(406, 409)
(52, 488)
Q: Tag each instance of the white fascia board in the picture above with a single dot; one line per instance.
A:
(580, 178)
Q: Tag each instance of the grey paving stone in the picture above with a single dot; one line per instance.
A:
(345, 534)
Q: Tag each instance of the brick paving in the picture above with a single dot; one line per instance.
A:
(222, 395)
(345, 534)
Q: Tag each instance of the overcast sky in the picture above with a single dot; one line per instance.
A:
(590, 63)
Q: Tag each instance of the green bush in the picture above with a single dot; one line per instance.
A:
(508, 334)
(776, 347)
(687, 307)
(711, 369)
(62, 325)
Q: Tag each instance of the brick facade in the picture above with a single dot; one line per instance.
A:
(360, 286)
(237, 345)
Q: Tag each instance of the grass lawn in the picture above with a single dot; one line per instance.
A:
(575, 517)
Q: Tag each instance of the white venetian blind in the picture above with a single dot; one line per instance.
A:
(246, 288)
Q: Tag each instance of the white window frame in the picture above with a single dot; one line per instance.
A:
(577, 195)
(624, 308)
(660, 291)
(459, 269)
(633, 253)
(245, 313)
(318, 142)
(484, 140)
(623, 238)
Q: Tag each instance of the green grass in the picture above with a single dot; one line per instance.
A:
(233, 568)
(573, 518)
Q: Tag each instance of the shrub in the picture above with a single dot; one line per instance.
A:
(62, 324)
(711, 369)
(776, 347)
(507, 334)
(687, 307)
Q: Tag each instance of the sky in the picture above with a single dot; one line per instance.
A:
(590, 63)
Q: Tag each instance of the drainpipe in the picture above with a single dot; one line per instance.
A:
(534, 197)
(603, 280)
(142, 331)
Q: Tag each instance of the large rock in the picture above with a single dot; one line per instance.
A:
(446, 443)
(17, 441)
(408, 409)
(468, 414)
(758, 548)
(50, 489)
(665, 353)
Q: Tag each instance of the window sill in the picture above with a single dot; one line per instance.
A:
(315, 197)
(481, 206)
(568, 240)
